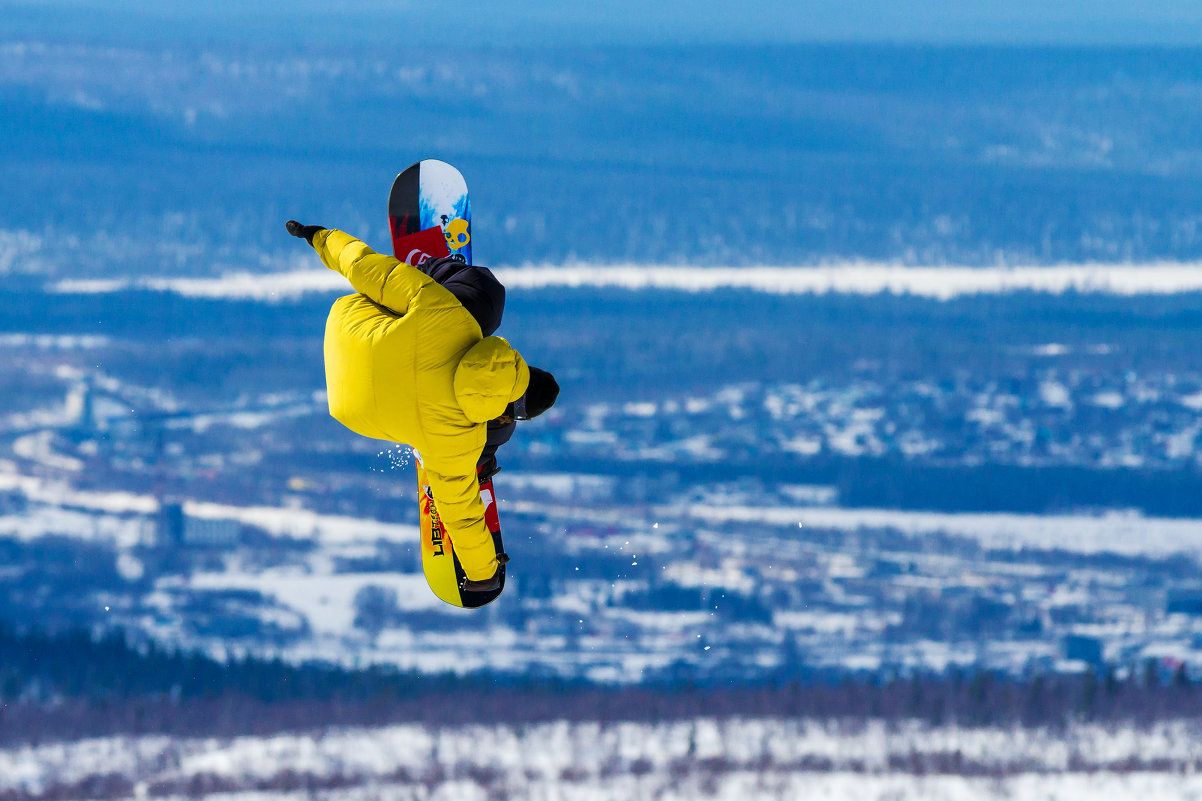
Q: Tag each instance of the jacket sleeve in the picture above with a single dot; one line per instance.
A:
(462, 512)
(383, 279)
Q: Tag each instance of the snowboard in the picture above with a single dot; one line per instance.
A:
(429, 216)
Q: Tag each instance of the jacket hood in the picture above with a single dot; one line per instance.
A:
(489, 376)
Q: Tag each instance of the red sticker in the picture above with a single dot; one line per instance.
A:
(416, 248)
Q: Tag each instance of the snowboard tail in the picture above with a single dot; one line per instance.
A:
(430, 213)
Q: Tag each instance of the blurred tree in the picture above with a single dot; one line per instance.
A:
(375, 609)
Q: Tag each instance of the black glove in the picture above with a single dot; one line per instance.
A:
(487, 468)
(488, 584)
(303, 231)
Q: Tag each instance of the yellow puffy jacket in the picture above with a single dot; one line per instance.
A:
(406, 362)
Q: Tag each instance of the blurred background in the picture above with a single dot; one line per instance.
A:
(877, 469)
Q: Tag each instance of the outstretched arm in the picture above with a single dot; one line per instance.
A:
(385, 280)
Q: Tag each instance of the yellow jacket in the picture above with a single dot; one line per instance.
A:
(406, 362)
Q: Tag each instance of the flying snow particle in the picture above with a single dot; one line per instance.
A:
(398, 456)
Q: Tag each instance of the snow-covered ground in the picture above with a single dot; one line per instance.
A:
(736, 759)
(305, 587)
(1119, 532)
(861, 278)
(125, 517)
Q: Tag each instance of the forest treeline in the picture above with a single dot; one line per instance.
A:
(71, 684)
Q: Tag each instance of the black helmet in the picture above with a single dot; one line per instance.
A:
(540, 395)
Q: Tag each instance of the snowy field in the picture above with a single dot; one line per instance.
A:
(943, 283)
(1120, 532)
(736, 759)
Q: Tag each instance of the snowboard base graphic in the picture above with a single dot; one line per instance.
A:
(430, 214)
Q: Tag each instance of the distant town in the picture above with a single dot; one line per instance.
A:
(685, 535)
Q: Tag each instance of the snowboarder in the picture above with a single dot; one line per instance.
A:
(411, 359)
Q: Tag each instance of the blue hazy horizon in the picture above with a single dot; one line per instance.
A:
(547, 22)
